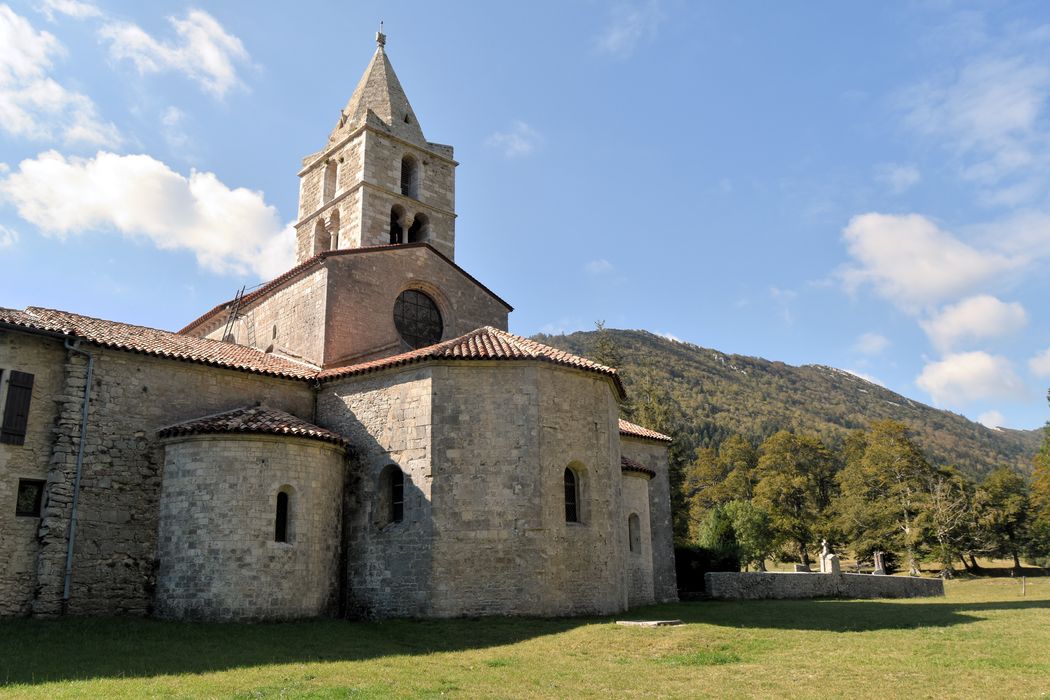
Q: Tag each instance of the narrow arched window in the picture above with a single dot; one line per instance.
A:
(280, 526)
(634, 533)
(419, 230)
(390, 501)
(397, 233)
(397, 496)
(322, 239)
(333, 230)
(572, 497)
(409, 177)
(331, 173)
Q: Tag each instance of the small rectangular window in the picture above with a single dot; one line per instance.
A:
(30, 498)
(16, 408)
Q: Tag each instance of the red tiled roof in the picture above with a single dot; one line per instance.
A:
(629, 465)
(150, 341)
(486, 343)
(253, 420)
(317, 259)
(632, 430)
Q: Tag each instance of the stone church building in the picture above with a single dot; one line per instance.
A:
(360, 436)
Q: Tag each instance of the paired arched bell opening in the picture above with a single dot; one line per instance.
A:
(406, 229)
(326, 233)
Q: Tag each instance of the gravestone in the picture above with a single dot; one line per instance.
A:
(831, 564)
(802, 569)
(825, 551)
(880, 564)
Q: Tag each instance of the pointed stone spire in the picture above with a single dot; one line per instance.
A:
(379, 92)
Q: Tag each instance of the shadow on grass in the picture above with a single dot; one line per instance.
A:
(38, 651)
(834, 615)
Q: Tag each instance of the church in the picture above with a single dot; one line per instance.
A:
(359, 437)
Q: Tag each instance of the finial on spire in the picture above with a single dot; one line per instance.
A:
(380, 36)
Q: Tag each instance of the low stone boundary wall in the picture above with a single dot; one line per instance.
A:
(756, 585)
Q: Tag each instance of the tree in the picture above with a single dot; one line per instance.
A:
(948, 516)
(717, 534)
(795, 481)
(702, 486)
(605, 351)
(1039, 535)
(754, 532)
(1002, 504)
(882, 492)
(738, 458)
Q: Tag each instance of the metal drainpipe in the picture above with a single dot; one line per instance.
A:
(75, 347)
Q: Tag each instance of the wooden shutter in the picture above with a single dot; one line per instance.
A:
(16, 411)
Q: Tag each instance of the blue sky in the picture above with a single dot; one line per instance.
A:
(862, 186)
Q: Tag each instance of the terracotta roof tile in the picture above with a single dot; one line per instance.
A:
(252, 420)
(151, 341)
(632, 430)
(629, 465)
(486, 343)
(276, 282)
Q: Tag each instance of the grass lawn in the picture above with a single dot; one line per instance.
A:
(983, 639)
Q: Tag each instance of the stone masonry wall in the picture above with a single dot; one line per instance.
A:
(639, 561)
(375, 220)
(350, 158)
(503, 435)
(756, 585)
(296, 312)
(362, 289)
(437, 198)
(132, 396)
(654, 455)
(44, 359)
(216, 551)
(387, 419)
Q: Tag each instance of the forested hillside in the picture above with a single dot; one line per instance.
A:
(709, 395)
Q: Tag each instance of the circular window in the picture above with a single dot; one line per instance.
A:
(417, 319)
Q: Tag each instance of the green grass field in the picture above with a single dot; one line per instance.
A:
(982, 640)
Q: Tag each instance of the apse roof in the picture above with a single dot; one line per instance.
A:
(485, 343)
(254, 420)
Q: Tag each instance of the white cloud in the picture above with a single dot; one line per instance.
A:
(8, 237)
(229, 230)
(203, 50)
(897, 178)
(992, 419)
(171, 122)
(871, 343)
(520, 140)
(69, 8)
(670, 336)
(962, 378)
(977, 318)
(32, 104)
(598, 267)
(629, 25)
(913, 263)
(784, 297)
(988, 114)
(1039, 365)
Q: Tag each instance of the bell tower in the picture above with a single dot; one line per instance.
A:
(377, 181)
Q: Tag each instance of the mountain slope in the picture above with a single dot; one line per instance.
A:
(713, 395)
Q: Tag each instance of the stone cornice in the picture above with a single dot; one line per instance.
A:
(378, 188)
(357, 132)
